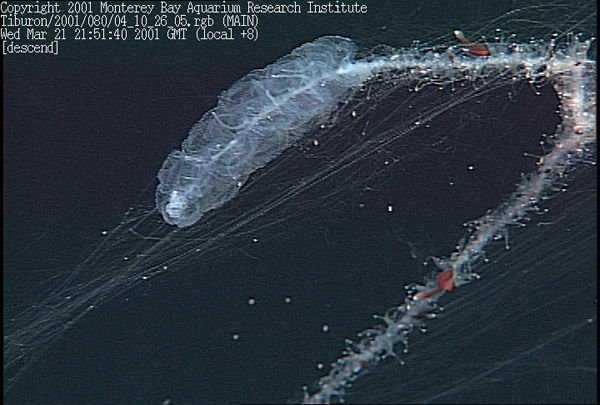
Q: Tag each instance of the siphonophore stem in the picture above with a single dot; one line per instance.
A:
(573, 76)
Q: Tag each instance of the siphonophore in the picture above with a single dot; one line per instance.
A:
(259, 117)
(400, 146)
